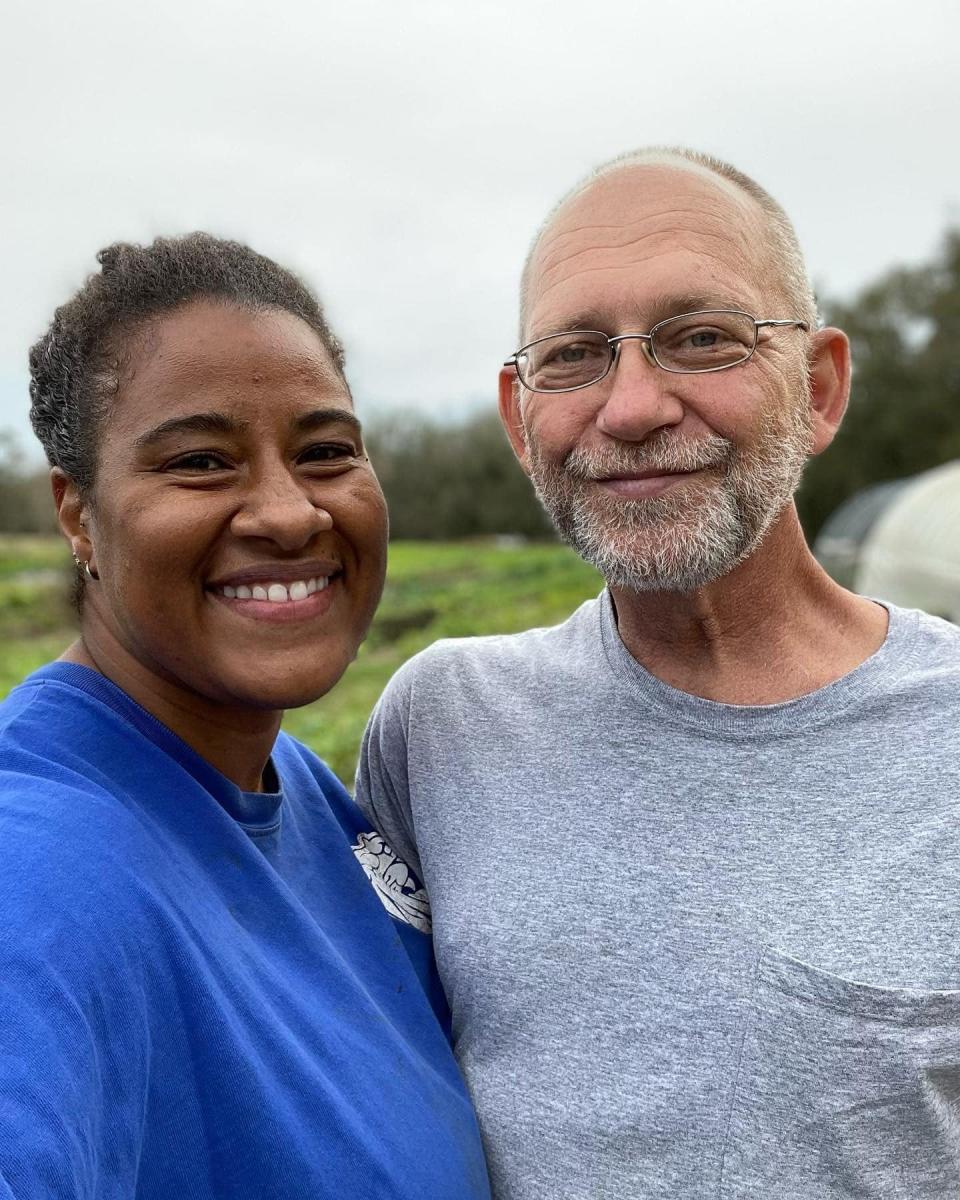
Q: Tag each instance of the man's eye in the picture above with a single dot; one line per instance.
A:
(575, 353)
(200, 462)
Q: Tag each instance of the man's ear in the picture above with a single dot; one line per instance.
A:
(509, 399)
(72, 515)
(829, 374)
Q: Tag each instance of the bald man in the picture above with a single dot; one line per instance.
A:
(693, 855)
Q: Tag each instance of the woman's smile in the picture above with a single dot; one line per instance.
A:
(280, 591)
(304, 599)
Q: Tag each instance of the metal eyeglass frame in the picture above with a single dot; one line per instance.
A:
(651, 354)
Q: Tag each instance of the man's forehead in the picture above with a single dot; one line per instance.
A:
(633, 193)
(640, 215)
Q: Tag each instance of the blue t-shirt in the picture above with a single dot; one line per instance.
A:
(202, 991)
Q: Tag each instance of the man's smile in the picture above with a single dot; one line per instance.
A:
(643, 485)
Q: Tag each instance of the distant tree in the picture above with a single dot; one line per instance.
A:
(452, 480)
(26, 504)
(904, 413)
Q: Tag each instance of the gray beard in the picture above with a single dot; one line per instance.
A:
(692, 534)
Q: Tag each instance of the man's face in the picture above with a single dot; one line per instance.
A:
(663, 481)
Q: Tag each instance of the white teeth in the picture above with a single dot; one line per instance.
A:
(277, 593)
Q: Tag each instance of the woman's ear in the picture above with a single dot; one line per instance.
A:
(72, 515)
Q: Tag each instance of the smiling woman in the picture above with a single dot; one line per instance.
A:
(212, 987)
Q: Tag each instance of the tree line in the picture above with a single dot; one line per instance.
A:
(447, 480)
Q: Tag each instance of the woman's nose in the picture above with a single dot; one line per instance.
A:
(280, 508)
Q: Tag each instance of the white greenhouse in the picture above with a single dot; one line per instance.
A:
(901, 542)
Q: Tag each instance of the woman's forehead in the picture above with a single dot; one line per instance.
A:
(244, 364)
(209, 337)
(212, 347)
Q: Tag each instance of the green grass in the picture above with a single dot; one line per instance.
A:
(434, 590)
(35, 616)
(24, 552)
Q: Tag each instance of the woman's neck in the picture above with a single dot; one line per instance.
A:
(235, 740)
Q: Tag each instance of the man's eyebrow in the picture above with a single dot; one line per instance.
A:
(676, 304)
(202, 422)
(664, 305)
(587, 319)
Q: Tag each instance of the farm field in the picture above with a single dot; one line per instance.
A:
(434, 590)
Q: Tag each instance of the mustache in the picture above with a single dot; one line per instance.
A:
(661, 453)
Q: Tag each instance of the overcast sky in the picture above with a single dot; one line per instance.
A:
(400, 155)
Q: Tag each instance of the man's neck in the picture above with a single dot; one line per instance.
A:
(774, 628)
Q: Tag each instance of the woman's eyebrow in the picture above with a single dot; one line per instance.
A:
(203, 422)
(215, 422)
(326, 416)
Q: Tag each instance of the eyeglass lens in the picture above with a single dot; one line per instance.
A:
(688, 343)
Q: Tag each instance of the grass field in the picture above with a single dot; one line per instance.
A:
(434, 590)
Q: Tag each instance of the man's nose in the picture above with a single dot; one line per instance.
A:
(639, 398)
(282, 509)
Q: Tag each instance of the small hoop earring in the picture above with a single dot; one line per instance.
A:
(84, 566)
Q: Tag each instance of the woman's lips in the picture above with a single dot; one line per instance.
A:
(305, 608)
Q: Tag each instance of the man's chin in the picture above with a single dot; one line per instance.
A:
(653, 560)
(632, 575)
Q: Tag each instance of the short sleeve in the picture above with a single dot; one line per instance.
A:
(382, 790)
(74, 1042)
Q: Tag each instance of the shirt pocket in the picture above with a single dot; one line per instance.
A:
(844, 1090)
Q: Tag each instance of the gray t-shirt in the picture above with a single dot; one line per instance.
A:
(691, 949)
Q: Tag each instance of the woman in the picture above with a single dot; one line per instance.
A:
(203, 992)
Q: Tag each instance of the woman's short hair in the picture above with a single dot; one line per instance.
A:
(75, 367)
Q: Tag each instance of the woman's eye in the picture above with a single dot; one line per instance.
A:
(328, 452)
(200, 462)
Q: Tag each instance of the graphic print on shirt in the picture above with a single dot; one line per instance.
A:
(399, 890)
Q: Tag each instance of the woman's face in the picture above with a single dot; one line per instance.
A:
(236, 525)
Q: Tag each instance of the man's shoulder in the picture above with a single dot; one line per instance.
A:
(913, 683)
(925, 642)
(533, 654)
(925, 657)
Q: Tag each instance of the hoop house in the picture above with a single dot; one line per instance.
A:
(840, 541)
(911, 553)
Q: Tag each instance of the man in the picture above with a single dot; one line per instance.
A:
(693, 855)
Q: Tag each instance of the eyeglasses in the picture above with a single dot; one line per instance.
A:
(712, 339)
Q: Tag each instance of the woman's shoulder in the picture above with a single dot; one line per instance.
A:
(294, 758)
(310, 784)
(71, 841)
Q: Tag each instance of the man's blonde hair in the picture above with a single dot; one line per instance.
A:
(784, 249)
